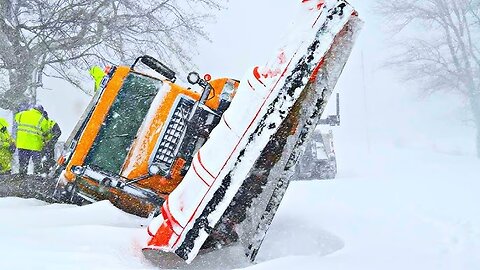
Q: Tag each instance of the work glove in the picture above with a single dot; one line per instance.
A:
(12, 148)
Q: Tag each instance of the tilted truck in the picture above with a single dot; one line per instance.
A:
(210, 166)
(137, 139)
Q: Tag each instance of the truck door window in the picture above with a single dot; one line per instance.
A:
(122, 122)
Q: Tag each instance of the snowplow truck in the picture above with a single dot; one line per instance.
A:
(136, 140)
(210, 166)
(319, 160)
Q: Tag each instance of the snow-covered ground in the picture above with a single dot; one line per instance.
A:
(397, 208)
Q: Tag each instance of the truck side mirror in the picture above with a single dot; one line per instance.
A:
(193, 77)
(157, 66)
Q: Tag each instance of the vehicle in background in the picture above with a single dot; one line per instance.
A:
(319, 160)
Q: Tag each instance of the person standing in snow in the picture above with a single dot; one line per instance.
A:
(7, 148)
(97, 74)
(32, 129)
(51, 139)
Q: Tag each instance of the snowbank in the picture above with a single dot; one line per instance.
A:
(396, 209)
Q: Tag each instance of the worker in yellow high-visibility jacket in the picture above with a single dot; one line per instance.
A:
(51, 139)
(97, 74)
(32, 128)
(7, 147)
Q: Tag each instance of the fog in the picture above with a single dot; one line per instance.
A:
(376, 104)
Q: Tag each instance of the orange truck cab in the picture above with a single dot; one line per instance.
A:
(137, 137)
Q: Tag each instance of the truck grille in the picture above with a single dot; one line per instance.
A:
(171, 137)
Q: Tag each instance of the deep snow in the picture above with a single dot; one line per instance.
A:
(399, 208)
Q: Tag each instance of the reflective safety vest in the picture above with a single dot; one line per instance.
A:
(3, 123)
(32, 127)
(49, 134)
(6, 142)
(5, 138)
(97, 73)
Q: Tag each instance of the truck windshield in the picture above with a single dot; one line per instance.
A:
(122, 122)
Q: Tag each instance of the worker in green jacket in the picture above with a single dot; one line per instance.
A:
(7, 147)
(32, 128)
(97, 74)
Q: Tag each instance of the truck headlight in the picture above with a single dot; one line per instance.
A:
(154, 169)
(78, 170)
(228, 91)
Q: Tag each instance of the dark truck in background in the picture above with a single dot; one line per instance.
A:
(319, 160)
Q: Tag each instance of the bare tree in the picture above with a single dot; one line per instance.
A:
(62, 38)
(440, 46)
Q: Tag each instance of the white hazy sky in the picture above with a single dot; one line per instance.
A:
(374, 101)
(375, 104)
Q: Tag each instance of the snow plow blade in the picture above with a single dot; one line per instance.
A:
(239, 176)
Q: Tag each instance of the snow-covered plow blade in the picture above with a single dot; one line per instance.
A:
(239, 176)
